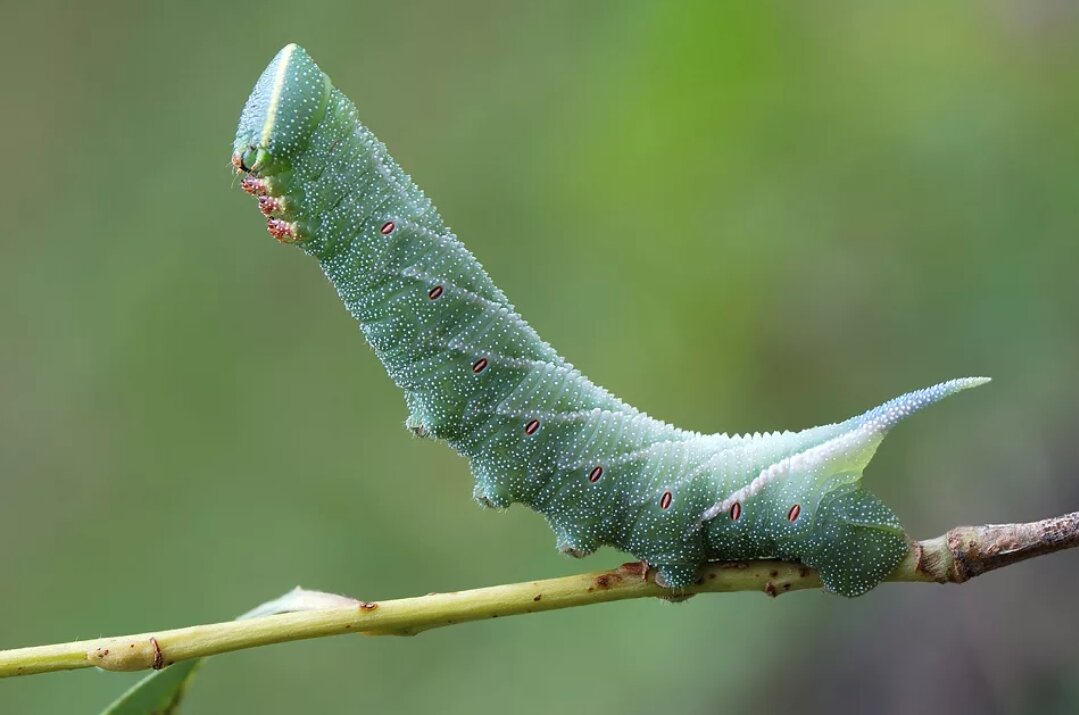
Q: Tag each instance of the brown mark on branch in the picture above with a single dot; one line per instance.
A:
(159, 657)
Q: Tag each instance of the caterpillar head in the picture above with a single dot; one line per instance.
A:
(281, 114)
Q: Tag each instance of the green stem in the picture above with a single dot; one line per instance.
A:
(961, 554)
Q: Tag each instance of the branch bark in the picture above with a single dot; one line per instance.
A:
(956, 557)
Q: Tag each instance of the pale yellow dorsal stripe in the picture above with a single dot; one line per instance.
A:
(275, 93)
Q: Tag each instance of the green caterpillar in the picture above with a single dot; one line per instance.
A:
(534, 429)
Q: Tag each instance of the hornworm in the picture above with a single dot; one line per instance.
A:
(534, 429)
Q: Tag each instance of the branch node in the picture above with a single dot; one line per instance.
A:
(127, 655)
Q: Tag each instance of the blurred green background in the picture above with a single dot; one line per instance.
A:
(736, 216)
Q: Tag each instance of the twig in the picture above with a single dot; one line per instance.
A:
(955, 557)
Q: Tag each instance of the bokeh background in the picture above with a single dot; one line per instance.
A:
(737, 216)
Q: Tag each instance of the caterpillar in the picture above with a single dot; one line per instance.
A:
(534, 429)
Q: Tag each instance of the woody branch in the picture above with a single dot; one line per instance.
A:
(956, 557)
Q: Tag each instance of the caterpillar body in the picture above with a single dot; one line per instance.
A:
(535, 430)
